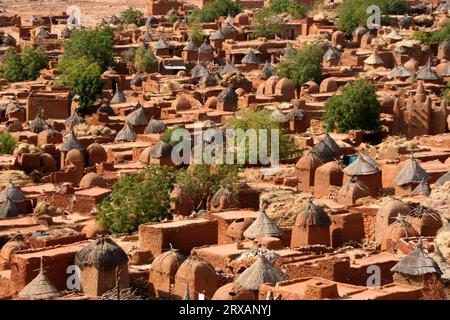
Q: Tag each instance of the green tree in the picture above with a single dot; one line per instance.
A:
(137, 199)
(195, 32)
(356, 108)
(265, 24)
(433, 37)
(173, 17)
(7, 143)
(261, 120)
(131, 16)
(353, 13)
(144, 59)
(167, 135)
(291, 6)
(213, 10)
(96, 45)
(202, 181)
(25, 65)
(303, 65)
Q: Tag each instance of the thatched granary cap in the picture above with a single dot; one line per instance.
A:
(400, 71)
(137, 117)
(8, 209)
(323, 152)
(229, 68)
(263, 226)
(295, 113)
(374, 59)
(118, 97)
(126, 134)
(412, 172)
(161, 150)
(427, 73)
(218, 35)
(73, 120)
(267, 71)
(227, 29)
(225, 196)
(260, 272)
(313, 215)
(206, 47)
(250, 58)
(38, 124)
(208, 80)
(443, 179)
(422, 189)
(103, 253)
(228, 95)
(331, 54)
(362, 166)
(40, 287)
(71, 143)
(13, 193)
(443, 264)
(190, 46)
(162, 44)
(198, 71)
(417, 263)
(147, 36)
(154, 126)
(137, 80)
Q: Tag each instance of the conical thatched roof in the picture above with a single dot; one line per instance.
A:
(162, 44)
(228, 68)
(443, 179)
(331, 54)
(422, 189)
(208, 80)
(314, 215)
(38, 124)
(71, 143)
(417, 263)
(362, 166)
(260, 272)
(218, 35)
(154, 126)
(102, 253)
(147, 36)
(206, 47)
(400, 71)
(250, 58)
(73, 120)
(40, 287)
(8, 209)
(161, 150)
(225, 196)
(295, 113)
(42, 34)
(137, 80)
(138, 117)
(412, 172)
(442, 263)
(118, 97)
(322, 151)
(263, 226)
(374, 59)
(427, 73)
(190, 46)
(394, 35)
(228, 95)
(126, 134)
(198, 71)
(12, 192)
(267, 71)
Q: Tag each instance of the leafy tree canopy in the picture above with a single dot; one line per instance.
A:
(138, 199)
(195, 32)
(7, 143)
(356, 108)
(144, 59)
(433, 37)
(23, 66)
(213, 10)
(132, 16)
(303, 65)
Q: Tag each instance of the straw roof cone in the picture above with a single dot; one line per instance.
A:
(260, 272)
(412, 172)
(263, 226)
(40, 287)
(362, 166)
(13, 193)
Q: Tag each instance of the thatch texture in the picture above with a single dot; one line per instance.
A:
(154, 126)
(263, 226)
(314, 215)
(40, 287)
(417, 263)
(224, 198)
(8, 209)
(126, 134)
(422, 189)
(161, 150)
(260, 272)
(13, 193)
(412, 172)
(71, 143)
(137, 117)
(73, 120)
(362, 166)
(103, 253)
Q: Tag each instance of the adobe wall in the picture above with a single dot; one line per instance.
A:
(55, 107)
(330, 268)
(183, 236)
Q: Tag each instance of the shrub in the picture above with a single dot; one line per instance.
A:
(144, 59)
(137, 199)
(132, 16)
(7, 143)
(195, 33)
(356, 108)
(213, 10)
(303, 65)
(25, 65)
(173, 17)
(264, 24)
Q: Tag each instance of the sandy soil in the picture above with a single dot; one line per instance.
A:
(91, 11)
